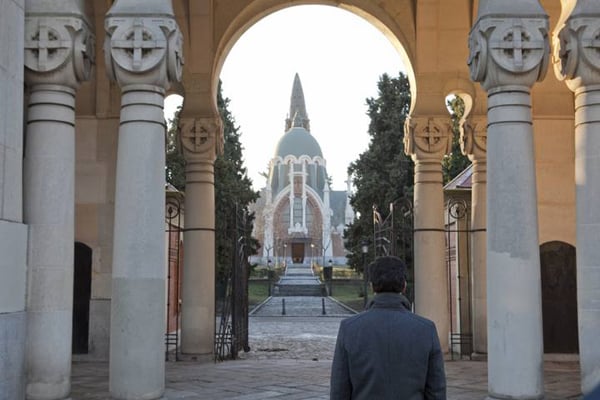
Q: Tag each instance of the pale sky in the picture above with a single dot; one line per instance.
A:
(339, 58)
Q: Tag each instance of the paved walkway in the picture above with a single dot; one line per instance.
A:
(290, 358)
(301, 306)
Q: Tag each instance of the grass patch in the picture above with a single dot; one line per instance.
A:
(258, 291)
(350, 292)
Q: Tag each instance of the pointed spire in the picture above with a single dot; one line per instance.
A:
(298, 121)
(297, 117)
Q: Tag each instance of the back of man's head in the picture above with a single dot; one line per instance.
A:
(387, 274)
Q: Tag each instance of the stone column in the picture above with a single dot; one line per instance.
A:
(326, 226)
(200, 139)
(58, 54)
(473, 135)
(291, 164)
(427, 140)
(304, 174)
(576, 50)
(509, 52)
(143, 55)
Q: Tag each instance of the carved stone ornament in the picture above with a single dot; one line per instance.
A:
(577, 50)
(502, 49)
(473, 137)
(58, 50)
(427, 137)
(142, 45)
(200, 137)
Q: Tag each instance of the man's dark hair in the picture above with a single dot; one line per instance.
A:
(387, 274)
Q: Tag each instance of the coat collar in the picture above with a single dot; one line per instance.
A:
(389, 300)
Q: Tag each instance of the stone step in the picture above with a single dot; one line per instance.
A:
(298, 290)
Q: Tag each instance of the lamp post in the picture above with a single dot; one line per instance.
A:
(268, 249)
(284, 260)
(312, 255)
(328, 276)
(364, 247)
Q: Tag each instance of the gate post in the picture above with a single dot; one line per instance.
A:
(473, 137)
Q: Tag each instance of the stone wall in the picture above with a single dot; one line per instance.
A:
(13, 234)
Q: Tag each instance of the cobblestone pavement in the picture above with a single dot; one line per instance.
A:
(293, 338)
(290, 358)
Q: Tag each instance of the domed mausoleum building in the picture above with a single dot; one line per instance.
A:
(299, 218)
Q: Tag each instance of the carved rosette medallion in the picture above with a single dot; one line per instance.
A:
(58, 50)
(427, 137)
(143, 50)
(577, 51)
(508, 51)
(473, 138)
(201, 137)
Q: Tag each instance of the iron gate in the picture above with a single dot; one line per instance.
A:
(173, 231)
(458, 263)
(393, 235)
(231, 334)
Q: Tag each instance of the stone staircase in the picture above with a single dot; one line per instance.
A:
(299, 281)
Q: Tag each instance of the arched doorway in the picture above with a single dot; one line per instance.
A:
(82, 289)
(559, 297)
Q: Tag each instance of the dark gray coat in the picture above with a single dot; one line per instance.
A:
(387, 352)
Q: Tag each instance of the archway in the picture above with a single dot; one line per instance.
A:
(338, 68)
(82, 289)
(298, 246)
(559, 297)
(398, 22)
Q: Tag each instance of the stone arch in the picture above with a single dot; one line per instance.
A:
(559, 297)
(82, 290)
(396, 21)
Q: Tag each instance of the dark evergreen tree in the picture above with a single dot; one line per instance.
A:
(233, 187)
(175, 162)
(382, 174)
(233, 193)
(456, 162)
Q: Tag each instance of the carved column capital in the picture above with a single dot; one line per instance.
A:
(509, 50)
(58, 50)
(473, 138)
(577, 49)
(427, 138)
(143, 50)
(201, 138)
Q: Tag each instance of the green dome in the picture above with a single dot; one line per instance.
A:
(298, 142)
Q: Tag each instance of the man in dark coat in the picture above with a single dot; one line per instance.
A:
(387, 352)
